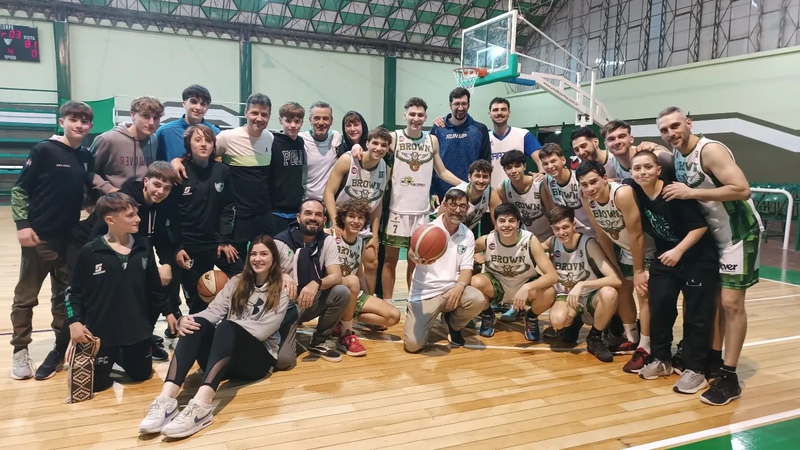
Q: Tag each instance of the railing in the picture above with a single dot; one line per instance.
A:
(789, 207)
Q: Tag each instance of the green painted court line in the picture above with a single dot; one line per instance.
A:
(777, 436)
(777, 274)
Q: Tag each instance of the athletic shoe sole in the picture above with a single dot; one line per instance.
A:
(158, 429)
(653, 377)
(708, 402)
(349, 353)
(15, 377)
(691, 391)
(203, 424)
(52, 374)
(325, 357)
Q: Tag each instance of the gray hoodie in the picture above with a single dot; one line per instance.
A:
(119, 157)
(262, 324)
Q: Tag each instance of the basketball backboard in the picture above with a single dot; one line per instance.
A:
(492, 45)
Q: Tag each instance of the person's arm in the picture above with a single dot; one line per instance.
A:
(496, 198)
(219, 307)
(375, 217)
(333, 277)
(74, 301)
(626, 202)
(549, 275)
(161, 150)
(156, 292)
(531, 147)
(466, 262)
(605, 242)
(438, 165)
(667, 162)
(21, 198)
(486, 145)
(480, 244)
(287, 268)
(101, 155)
(546, 197)
(688, 212)
(610, 276)
(719, 163)
(338, 173)
(547, 245)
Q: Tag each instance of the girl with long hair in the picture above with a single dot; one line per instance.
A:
(234, 338)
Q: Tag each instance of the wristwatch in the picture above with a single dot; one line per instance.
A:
(464, 285)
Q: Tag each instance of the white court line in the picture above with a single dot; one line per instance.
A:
(783, 282)
(771, 341)
(725, 429)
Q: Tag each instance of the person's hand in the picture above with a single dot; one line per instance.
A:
(187, 325)
(177, 166)
(417, 260)
(356, 152)
(640, 282)
(165, 273)
(290, 285)
(439, 121)
(27, 237)
(113, 189)
(436, 201)
(308, 294)
(172, 323)
(677, 190)
(183, 260)
(479, 258)
(538, 176)
(671, 258)
(645, 146)
(574, 296)
(230, 252)
(79, 333)
(453, 297)
(521, 298)
(374, 242)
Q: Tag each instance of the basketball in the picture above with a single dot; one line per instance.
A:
(429, 242)
(210, 284)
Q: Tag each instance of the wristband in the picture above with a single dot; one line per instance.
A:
(464, 285)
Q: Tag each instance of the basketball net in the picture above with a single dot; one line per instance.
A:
(467, 76)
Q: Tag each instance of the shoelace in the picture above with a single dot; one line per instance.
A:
(156, 409)
(23, 362)
(186, 415)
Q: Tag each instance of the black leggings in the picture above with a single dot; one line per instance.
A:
(226, 351)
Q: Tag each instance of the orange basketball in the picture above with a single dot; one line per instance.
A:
(429, 242)
(210, 284)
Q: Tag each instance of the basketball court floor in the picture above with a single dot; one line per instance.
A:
(502, 392)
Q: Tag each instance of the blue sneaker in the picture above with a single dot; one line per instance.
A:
(532, 327)
(512, 315)
(487, 324)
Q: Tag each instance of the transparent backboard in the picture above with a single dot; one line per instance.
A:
(491, 45)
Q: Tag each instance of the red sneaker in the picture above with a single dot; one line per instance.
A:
(625, 348)
(337, 330)
(350, 344)
(639, 359)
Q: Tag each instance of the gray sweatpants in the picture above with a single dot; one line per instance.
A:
(421, 314)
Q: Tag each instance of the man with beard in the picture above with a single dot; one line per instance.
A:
(462, 140)
(505, 138)
(619, 141)
(433, 289)
(587, 147)
(311, 258)
(321, 143)
(479, 193)
(707, 172)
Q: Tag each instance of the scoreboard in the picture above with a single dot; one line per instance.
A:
(18, 43)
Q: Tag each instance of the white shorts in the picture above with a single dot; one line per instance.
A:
(400, 227)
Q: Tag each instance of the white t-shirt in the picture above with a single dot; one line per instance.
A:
(320, 158)
(330, 256)
(514, 139)
(238, 148)
(435, 279)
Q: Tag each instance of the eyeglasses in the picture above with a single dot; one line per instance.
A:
(459, 104)
(457, 206)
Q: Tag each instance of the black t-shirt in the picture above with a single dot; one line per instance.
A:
(668, 222)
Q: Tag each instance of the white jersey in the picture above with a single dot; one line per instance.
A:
(320, 158)
(574, 266)
(367, 184)
(512, 266)
(349, 254)
(529, 204)
(729, 222)
(622, 173)
(610, 166)
(569, 195)
(476, 210)
(412, 174)
(514, 140)
(610, 219)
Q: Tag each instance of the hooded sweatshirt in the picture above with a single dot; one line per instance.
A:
(119, 157)
(286, 171)
(459, 146)
(347, 144)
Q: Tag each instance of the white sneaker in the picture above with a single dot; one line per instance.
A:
(192, 419)
(159, 413)
(22, 368)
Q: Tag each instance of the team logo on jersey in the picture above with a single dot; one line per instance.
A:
(569, 280)
(462, 249)
(354, 170)
(492, 246)
(508, 270)
(370, 195)
(28, 162)
(144, 263)
(409, 181)
(187, 191)
(557, 253)
(415, 160)
(257, 305)
(98, 269)
(219, 187)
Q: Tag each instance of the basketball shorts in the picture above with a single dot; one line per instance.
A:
(625, 259)
(360, 301)
(503, 291)
(585, 307)
(738, 263)
(399, 228)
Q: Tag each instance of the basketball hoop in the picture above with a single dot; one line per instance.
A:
(467, 76)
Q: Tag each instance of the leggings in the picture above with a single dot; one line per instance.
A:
(225, 351)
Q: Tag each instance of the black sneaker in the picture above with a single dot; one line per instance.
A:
(455, 337)
(159, 354)
(158, 340)
(322, 351)
(600, 350)
(723, 390)
(570, 334)
(169, 334)
(677, 360)
(52, 363)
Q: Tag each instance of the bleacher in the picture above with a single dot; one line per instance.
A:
(773, 207)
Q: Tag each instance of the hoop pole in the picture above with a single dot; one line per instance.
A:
(546, 63)
(591, 96)
(510, 5)
(554, 43)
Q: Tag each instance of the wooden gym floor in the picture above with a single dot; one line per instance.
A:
(501, 392)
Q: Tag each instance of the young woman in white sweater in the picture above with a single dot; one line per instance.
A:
(234, 338)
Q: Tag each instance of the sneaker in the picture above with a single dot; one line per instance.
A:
(677, 360)
(192, 419)
(454, 336)
(655, 369)
(600, 350)
(570, 334)
(159, 354)
(713, 368)
(169, 334)
(550, 333)
(322, 351)
(159, 413)
(22, 367)
(532, 328)
(487, 324)
(337, 330)
(51, 365)
(639, 359)
(512, 315)
(350, 344)
(626, 348)
(690, 382)
(723, 390)
(158, 340)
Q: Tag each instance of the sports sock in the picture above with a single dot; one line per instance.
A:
(594, 333)
(389, 301)
(19, 348)
(729, 369)
(644, 343)
(347, 325)
(631, 332)
(715, 355)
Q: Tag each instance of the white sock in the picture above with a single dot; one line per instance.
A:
(644, 343)
(347, 325)
(631, 332)
(389, 301)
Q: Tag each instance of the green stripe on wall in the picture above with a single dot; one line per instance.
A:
(63, 79)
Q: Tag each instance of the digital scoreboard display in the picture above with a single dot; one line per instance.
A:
(18, 43)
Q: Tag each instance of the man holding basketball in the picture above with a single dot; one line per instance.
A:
(433, 287)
